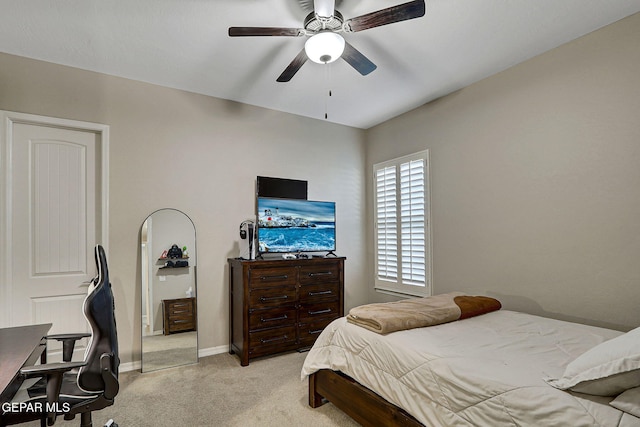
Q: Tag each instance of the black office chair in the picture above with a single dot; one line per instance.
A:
(73, 388)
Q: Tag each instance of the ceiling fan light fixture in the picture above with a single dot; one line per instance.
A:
(324, 47)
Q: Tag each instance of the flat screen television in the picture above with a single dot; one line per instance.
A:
(293, 225)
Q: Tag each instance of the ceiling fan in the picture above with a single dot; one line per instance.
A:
(323, 27)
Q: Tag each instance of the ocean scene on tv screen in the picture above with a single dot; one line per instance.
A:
(287, 225)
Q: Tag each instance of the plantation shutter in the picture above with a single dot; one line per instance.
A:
(402, 225)
(412, 220)
(387, 223)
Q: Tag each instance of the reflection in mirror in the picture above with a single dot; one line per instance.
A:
(169, 309)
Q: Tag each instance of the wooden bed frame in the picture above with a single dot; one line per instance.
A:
(355, 400)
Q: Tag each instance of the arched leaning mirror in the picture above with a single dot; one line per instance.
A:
(169, 304)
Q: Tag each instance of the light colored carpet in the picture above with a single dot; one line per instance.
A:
(219, 392)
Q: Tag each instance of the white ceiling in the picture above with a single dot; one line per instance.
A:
(184, 44)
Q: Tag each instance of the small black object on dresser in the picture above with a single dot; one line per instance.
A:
(282, 305)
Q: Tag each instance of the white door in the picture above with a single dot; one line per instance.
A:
(55, 195)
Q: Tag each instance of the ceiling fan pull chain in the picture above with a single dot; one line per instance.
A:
(326, 116)
(327, 85)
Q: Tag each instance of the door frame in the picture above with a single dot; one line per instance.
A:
(7, 121)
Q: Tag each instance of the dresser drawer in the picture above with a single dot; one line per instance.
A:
(273, 296)
(319, 273)
(319, 292)
(317, 310)
(265, 341)
(181, 324)
(272, 276)
(272, 318)
(309, 331)
(181, 308)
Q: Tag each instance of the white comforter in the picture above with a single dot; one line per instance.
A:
(483, 371)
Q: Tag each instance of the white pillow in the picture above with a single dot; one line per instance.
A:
(629, 402)
(607, 369)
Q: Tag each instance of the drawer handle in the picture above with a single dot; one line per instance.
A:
(274, 298)
(273, 319)
(315, 332)
(281, 277)
(266, 341)
(179, 305)
(321, 273)
(328, 310)
(179, 311)
(313, 294)
(182, 321)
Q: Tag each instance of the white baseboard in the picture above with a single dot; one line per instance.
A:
(211, 351)
(203, 352)
(130, 366)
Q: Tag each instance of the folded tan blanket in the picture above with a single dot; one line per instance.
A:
(420, 312)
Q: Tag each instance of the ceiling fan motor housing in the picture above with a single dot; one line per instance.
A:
(313, 23)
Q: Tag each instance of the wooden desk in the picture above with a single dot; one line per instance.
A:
(19, 346)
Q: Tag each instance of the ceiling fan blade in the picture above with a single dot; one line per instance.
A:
(401, 12)
(264, 31)
(324, 8)
(293, 68)
(357, 60)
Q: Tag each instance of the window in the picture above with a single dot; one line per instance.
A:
(401, 225)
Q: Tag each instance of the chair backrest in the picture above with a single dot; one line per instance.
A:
(99, 310)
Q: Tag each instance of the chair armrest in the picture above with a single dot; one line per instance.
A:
(54, 373)
(73, 336)
(68, 343)
(49, 368)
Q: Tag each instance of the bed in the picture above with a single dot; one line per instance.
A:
(501, 368)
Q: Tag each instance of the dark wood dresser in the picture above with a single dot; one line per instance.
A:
(179, 315)
(281, 305)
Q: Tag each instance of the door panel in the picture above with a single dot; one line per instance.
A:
(60, 208)
(53, 211)
(54, 194)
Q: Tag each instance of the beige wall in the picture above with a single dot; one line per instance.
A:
(535, 180)
(200, 155)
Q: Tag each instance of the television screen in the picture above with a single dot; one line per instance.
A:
(290, 225)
